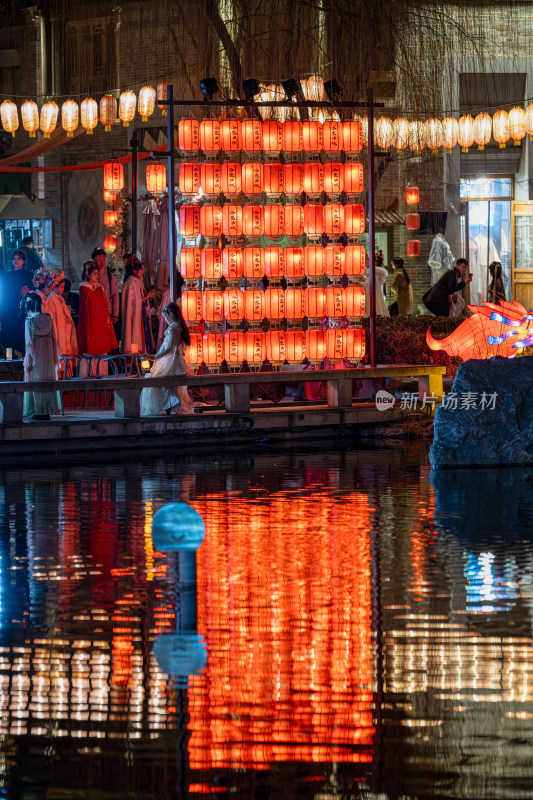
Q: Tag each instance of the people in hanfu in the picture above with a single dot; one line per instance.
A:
(13, 286)
(380, 285)
(95, 328)
(109, 283)
(41, 361)
(65, 331)
(440, 298)
(169, 361)
(496, 292)
(135, 319)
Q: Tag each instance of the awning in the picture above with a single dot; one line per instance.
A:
(389, 218)
(18, 206)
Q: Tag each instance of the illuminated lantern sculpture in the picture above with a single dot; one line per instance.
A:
(274, 303)
(254, 347)
(49, 115)
(312, 136)
(335, 258)
(314, 261)
(465, 135)
(252, 221)
(500, 126)
(333, 137)
(110, 218)
(315, 302)
(315, 345)
(190, 263)
(273, 178)
(335, 344)
(188, 177)
(352, 135)
(313, 180)
(450, 133)
(335, 301)
(254, 305)
(355, 301)
(210, 177)
(146, 102)
(414, 248)
(292, 136)
(230, 135)
(417, 135)
(383, 132)
(276, 350)
(89, 114)
(10, 116)
(113, 176)
(213, 349)
(295, 346)
(517, 124)
(334, 219)
(412, 195)
(162, 95)
(230, 176)
(108, 111)
(210, 221)
(126, 107)
(254, 263)
(193, 354)
(69, 116)
(434, 134)
(353, 177)
(295, 303)
(413, 222)
(274, 221)
(333, 177)
(482, 130)
(156, 178)
(252, 135)
(400, 135)
(189, 220)
(272, 136)
(354, 345)
(354, 260)
(189, 135)
(232, 220)
(294, 263)
(210, 135)
(234, 352)
(232, 263)
(294, 220)
(274, 262)
(529, 121)
(313, 219)
(252, 177)
(29, 112)
(212, 305)
(233, 305)
(211, 263)
(110, 243)
(354, 219)
(191, 306)
(293, 177)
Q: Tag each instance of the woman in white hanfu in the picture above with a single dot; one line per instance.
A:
(65, 330)
(42, 358)
(134, 308)
(169, 360)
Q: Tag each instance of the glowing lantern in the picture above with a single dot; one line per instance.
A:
(109, 197)
(49, 115)
(295, 303)
(312, 136)
(354, 345)
(292, 136)
(529, 121)
(434, 134)
(69, 117)
(254, 347)
(272, 136)
(212, 305)
(482, 130)
(500, 125)
(254, 263)
(89, 114)
(252, 221)
(10, 116)
(273, 178)
(274, 303)
(354, 259)
(353, 178)
(313, 219)
(193, 353)
(213, 349)
(191, 306)
(400, 135)
(113, 176)
(188, 177)
(276, 351)
(293, 176)
(355, 301)
(110, 218)
(252, 135)
(230, 135)
(29, 112)
(211, 263)
(517, 124)
(294, 263)
(414, 248)
(465, 136)
(252, 177)
(413, 222)
(231, 177)
(274, 262)
(354, 219)
(156, 178)
(383, 132)
(254, 305)
(315, 345)
(315, 302)
(313, 180)
(210, 135)
(234, 352)
(335, 258)
(210, 177)
(233, 305)
(108, 111)
(412, 195)
(188, 135)
(333, 219)
(335, 301)
(126, 107)
(232, 263)
(110, 243)
(333, 137)
(417, 135)
(190, 263)
(314, 261)
(450, 132)
(335, 344)
(295, 346)
(352, 135)
(274, 221)
(294, 220)
(333, 177)
(189, 220)
(210, 221)
(146, 102)
(232, 220)
(162, 95)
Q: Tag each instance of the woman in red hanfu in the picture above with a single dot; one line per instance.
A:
(95, 327)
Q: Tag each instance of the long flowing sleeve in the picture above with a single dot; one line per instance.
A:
(29, 358)
(171, 341)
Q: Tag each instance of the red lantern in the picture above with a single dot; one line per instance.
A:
(292, 136)
(315, 302)
(274, 221)
(274, 303)
(156, 178)
(333, 136)
(312, 136)
(352, 136)
(212, 305)
(210, 177)
(313, 219)
(335, 301)
(295, 303)
(191, 306)
(254, 347)
(252, 177)
(315, 345)
(113, 176)
(333, 219)
(232, 220)
(252, 135)
(189, 220)
(273, 178)
(213, 349)
(231, 177)
(295, 346)
(211, 263)
(234, 351)
(232, 263)
(274, 262)
(355, 301)
(188, 177)
(333, 177)
(354, 219)
(414, 248)
(335, 261)
(109, 197)
(189, 135)
(233, 305)
(110, 218)
(254, 305)
(294, 263)
(413, 222)
(190, 263)
(230, 135)
(335, 344)
(294, 221)
(193, 353)
(254, 263)
(272, 136)
(252, 221)
(354, 343)
(210, 135)
(276, 350)
(108, 111)
(313, 180)
(293, 177)
(314, 261)
(354, 259)
(110, 243)
(353, 178)
(211, 221)
(412, 195)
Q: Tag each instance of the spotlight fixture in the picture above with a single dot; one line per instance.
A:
(209, 87)
(291, 88)
(333, 90)
(251, 87)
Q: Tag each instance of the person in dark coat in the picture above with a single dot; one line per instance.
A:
(14, 286)
(437, 299)
(33, 259)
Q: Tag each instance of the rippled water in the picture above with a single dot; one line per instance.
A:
(363, 629)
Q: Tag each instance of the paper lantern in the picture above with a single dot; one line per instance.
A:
(210, 135)
(354, 260)
(110, 218)
(211, 177)
(274, 303)
(417, 135)
(213, 349)
(335, 301)
(414, 248)
(109, 197)
(276, 349)
(110, 243)
(188, 177)
(400, 133)
(234, 351)
(313, 219)
(252, 177)
(313, 178)
(190, 263)
(252, 221)
(191, 306)
(274, 262)
(315, 345)
(232, 263)
(230, 177)
(292, 136)
(254, 305)
(232, 220)
(9, 116)
(126, 107)
(274, 221)
(273, 178)
(333, 214)
(254, 263)
(353, 343)
(113, 176)
(500, 126)
(189, 220)
(353, 177)
(189, 135)
(465, 136)
(355, 301)
(272, 136)
(88, 114)
(383, 132)
(293, 176)
(412, 222)
(108, 111)
(211, 263)
(295, 303)
(315, 302)
(482, 130)
(29, 112)
(333, 177)
(252, 135)
(412, 195)
(254, 347)
(354, 219)
(294, 220)
(313, 88)
(69, 117)
(334, 261)
(211, 221)
(230, 135)
(450, 133)
(193, 354)
(352, 135)
(212, 305)
(333, 137)
(294, 263)
(434, 134)
(314, 261)
(517, 124)
(156, 177)
(49, 115)
(529, 121)
(335, 344)
(162, 94)
(233, 305)
(146, 102)
(295, 346)
(312, 136)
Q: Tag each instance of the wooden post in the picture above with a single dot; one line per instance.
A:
(237, 397)
(127, 403)
(431, 385)
(11, 407)
(340, 393)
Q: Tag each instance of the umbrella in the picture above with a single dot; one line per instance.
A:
(163, 279)
(150, 239)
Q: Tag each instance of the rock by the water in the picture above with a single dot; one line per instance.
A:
(487, 419)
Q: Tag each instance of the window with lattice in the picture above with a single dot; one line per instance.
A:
(89, 57)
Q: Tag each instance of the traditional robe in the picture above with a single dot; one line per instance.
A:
(40, 364)
(381, 305)
(11, 319)
(95, 329)
(65, 331)
(132, 315)
(169, 360)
